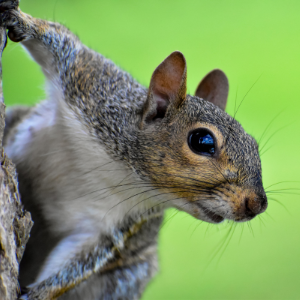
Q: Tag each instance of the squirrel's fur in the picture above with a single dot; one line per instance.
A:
(100, 160)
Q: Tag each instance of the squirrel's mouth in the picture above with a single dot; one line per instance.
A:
(212, 216)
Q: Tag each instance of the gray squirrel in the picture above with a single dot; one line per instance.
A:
(103, 157)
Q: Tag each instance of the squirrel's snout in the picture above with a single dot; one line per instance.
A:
(255, 205)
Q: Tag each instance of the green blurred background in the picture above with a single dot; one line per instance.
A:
(257, 44)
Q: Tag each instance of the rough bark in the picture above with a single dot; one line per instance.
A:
(15, 224)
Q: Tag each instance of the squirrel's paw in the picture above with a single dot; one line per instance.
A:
(8, 4)
(13, 19)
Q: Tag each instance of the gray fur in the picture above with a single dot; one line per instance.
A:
(95, 231)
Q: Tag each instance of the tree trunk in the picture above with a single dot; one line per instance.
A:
(15, 224)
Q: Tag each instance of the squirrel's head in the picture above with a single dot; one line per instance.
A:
(197, 152)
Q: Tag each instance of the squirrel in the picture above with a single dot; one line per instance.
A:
(100, 160)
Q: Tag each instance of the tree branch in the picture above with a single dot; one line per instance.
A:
(15, 224)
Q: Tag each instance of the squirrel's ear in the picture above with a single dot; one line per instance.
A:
(167, 86)
(214, 88)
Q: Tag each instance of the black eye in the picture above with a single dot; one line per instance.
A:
(201, 141)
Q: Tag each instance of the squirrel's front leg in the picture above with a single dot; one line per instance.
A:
(59, 52)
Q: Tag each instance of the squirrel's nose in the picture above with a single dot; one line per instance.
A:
(255, 205)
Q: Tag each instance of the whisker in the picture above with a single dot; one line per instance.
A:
(283, 193)
(242, 231)
(168, 220)
(263, 152)
(260, 217)
(155, 196)
(280, 182)
(250, 228)
(218, 170)
(273, 134)
(196, 227)
(266, 213)
(134, 185)
(285, 189)
(220, 247)
(236, 95)
(195, 191)
(247, 94)
(268, 126)
(228, 241)
(281, 204)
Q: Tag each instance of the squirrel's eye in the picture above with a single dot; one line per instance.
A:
(201, 141)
